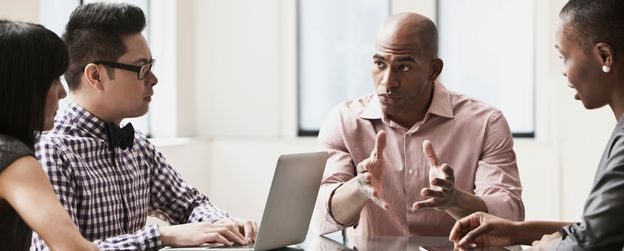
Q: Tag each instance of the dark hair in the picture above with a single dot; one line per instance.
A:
(31, 58)
(595, 21)
(94, 32)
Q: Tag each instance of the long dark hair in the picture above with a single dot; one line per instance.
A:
(31, 58)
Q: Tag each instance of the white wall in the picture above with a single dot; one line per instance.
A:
(24, 10)
(237, 64)
(236, 79)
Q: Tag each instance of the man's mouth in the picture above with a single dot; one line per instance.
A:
(388, 98)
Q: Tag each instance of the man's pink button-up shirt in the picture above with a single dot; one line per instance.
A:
(471, 136)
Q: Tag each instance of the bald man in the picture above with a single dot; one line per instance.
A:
(411, 157)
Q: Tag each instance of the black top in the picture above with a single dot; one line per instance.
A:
(15, 233)
(602, 227)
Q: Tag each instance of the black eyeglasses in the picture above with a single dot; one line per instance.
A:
(142, 71)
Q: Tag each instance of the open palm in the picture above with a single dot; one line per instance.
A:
(370, 172)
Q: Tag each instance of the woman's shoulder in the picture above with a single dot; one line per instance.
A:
(12, 149)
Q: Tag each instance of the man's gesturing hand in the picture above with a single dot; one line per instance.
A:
(370, 172)
(441, 192)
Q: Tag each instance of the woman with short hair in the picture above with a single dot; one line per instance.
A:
(590, 40)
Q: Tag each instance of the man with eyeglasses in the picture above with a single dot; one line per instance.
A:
(109, 178)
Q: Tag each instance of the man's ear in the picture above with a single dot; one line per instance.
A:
(605, 54)
(436, 68)
(93, 74)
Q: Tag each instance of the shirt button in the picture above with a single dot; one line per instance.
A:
(410, 171)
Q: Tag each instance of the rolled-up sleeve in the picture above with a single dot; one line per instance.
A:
(339, 169)
(497, 180)
(175, 200)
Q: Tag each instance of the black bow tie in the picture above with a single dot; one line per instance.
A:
(119, 137)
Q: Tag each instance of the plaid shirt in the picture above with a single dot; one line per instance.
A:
(108, 193)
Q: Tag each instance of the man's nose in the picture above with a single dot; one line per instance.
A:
(389, 79)
(152, 79)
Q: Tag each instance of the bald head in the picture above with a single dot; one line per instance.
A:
(409, 31)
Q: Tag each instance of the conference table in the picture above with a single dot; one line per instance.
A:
(335, 242)
(381, 243)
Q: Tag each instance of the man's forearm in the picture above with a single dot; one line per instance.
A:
(466, 204)
(347, 202)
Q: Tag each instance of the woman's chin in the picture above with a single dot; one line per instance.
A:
(48, 125)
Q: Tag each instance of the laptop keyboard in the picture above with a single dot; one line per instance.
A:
(235, 246)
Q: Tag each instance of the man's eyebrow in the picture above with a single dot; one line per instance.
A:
(406, 59)
(141, 60)
(377, 56)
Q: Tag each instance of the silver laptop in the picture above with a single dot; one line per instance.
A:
(290, 203)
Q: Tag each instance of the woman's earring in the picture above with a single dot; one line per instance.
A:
(606, 69)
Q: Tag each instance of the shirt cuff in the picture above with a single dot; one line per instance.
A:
(153, 232)
(327, 222)
(147, 238)
(351, 224)
(207, 213)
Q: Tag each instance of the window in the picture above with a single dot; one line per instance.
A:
(489, 55)
(336, 43)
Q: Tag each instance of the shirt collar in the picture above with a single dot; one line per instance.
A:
(84, 120)
(440, 104)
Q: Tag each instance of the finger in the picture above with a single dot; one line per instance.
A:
(366, 165)
(229, 234)
(364, 179)
(448, 172)
(469, 223)
(430, 153)
(255, 231)
(446, 185)
(234, 227)
(374, 196)
(428, 203)
(462, 227)
(471, 236)
(249, 231)
(216, 238)
(380, 202)
(362, 167)
(433, 193)
(456, 232)
(380, 145)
